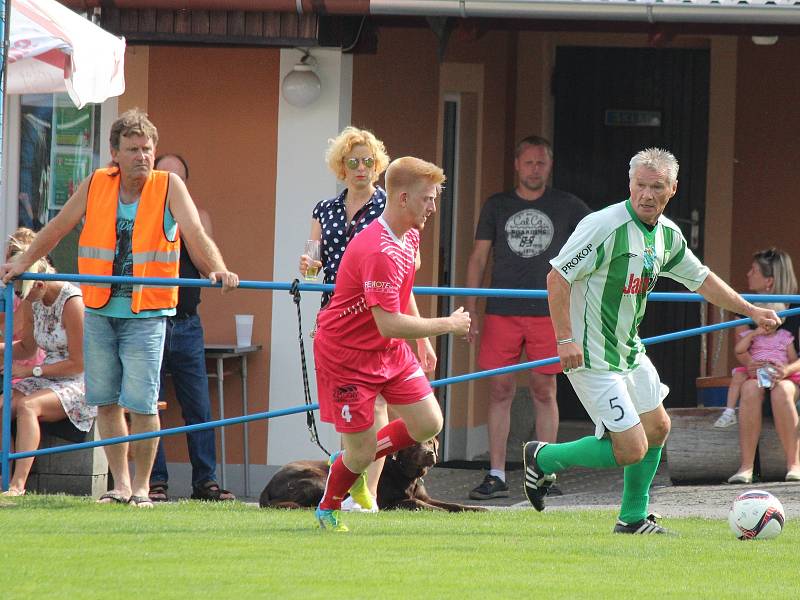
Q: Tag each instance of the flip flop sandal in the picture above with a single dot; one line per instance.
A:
(211, 492)
(158, 492)
(140, 502)
(112, 497)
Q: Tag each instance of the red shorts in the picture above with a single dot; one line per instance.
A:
(503, 338)
(348, 381)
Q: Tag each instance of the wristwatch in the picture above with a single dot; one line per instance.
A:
(37, 371)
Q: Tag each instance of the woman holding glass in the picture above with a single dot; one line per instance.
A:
(357, 158)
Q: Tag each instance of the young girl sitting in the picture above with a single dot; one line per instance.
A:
(776, 348)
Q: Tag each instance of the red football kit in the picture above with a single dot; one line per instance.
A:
(354, 362)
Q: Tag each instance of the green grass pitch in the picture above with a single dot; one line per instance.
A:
(64, 547)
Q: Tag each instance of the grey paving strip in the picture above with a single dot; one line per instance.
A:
(601, 490)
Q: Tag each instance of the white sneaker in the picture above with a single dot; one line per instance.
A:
(726, 419)
(350, 505)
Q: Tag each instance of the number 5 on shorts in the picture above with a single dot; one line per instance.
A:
(346, 413)
(615, 406)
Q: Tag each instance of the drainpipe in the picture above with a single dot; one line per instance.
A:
(595, 10)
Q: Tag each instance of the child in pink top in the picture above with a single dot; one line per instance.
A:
(776, 348)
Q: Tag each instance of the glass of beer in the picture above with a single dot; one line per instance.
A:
(312, 250)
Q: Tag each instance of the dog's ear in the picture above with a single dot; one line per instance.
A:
(435, 442)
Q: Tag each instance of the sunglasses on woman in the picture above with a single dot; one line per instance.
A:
(22, 288)
(766, 259)
(352, 163)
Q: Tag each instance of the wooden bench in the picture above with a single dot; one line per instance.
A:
(698, 452)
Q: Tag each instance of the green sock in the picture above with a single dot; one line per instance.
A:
(636, 489)
(585, 452)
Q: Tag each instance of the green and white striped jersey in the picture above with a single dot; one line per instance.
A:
(612, 261)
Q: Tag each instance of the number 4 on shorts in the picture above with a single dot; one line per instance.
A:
(346, 413)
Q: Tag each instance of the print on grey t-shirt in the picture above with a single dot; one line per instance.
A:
(529, 232)
(525, 235)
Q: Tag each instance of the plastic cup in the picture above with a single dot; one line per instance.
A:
(244, 330)
(312, 250)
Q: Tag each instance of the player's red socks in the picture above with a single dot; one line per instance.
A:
(392, 438)
(340, 480)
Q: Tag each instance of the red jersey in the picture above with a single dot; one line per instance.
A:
(377, 270)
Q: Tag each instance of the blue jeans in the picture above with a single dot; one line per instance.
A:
(184, 359)
(122, 358)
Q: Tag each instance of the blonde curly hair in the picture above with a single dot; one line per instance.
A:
(343, 143)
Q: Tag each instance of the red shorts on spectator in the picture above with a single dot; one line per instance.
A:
(504, 337)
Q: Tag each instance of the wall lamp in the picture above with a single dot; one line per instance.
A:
(301, 86)
(765, 40)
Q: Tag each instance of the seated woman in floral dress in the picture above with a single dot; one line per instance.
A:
(52, 315)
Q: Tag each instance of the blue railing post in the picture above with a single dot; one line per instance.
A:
(8, 302)
(8, 292)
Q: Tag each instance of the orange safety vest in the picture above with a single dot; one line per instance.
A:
(154, 255)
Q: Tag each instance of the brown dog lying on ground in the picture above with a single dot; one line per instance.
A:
(300, 484)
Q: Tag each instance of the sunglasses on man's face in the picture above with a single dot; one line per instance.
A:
(352, 163)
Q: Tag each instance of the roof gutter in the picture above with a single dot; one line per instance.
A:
(609, 10)
(667, 11)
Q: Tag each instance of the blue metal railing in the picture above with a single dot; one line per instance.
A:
(418, 290)
(8, 300)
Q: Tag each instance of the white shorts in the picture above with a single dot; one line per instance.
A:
(615, 400)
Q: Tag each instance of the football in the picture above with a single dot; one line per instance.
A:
(756, 515)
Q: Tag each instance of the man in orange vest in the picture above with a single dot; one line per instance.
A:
(132, 216)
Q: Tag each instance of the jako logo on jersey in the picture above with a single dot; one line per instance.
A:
(378, 286)
(639, 285)
(576, 260)
(345, 394)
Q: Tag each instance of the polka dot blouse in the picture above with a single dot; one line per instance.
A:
(337, 232)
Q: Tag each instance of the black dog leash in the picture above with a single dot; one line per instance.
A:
(310, 421)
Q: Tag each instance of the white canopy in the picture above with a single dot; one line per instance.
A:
(53, 49)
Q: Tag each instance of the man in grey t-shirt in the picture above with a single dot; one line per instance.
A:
(523, 229)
